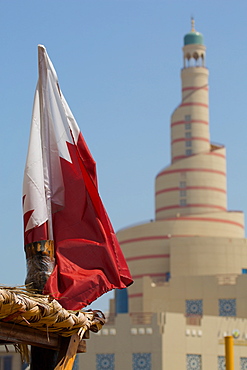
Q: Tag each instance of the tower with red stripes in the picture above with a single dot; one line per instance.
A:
(195, 182)
(193, 234)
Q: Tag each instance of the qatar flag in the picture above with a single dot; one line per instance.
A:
(61, 201)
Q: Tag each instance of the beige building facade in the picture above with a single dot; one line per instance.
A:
(190, 263)
(165, 340)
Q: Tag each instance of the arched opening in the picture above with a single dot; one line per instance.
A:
(203, 59)
(194, 59)
(195, 56)
(187, 60)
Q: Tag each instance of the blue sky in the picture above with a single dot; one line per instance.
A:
(118, 63)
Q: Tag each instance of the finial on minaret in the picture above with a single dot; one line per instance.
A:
(192, 24)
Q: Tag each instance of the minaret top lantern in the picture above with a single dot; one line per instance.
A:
(194, 49)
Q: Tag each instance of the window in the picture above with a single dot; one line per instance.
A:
(187, 117)
(227, 307)
(5, 362)
(182, 202)
(188, 134)
(182, 193)
(182, 184)
(188, 143)
(76, 363)
(141, 331)
(188, 126)
(188, 152)
(168, 276)
(133, 331)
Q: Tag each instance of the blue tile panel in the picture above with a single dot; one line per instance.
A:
(76, 363)
(227, 307)
(221, 363)
(6, 362)
(141, 361)
(194, 362)
(194, 307)
(105, 361)
(243, 363)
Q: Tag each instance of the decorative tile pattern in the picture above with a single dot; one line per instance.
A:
(221, 363)
(243, 363)
(105, 361)
(227, 307)
(194, 307)
(194, 362)
(141, 361)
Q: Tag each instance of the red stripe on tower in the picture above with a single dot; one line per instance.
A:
(191, 188)
(175, 206)
(189, 139)
(193, 88)
(181, 170)
(190, 121)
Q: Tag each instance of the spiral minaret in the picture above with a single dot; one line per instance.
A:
(195, 183)
(193, 233)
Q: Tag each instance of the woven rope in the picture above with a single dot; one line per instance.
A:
(20, 306)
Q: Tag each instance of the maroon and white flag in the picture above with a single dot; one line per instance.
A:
(61, 201)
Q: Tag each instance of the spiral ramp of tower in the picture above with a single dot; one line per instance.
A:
(193, 233)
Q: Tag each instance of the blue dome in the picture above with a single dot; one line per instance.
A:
(193, 37)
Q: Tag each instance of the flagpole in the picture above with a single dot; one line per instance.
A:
(40, 255)
(44, 136)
